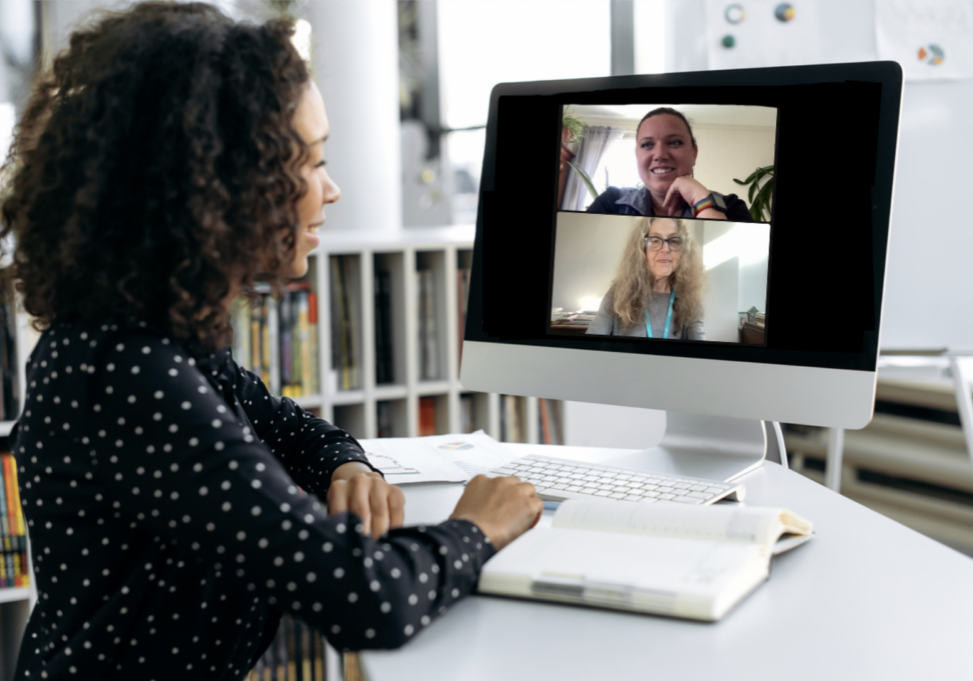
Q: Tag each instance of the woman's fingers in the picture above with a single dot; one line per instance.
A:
(503, 508)
(673, 189)
(378, 500)
(396, 507)
(380, 505)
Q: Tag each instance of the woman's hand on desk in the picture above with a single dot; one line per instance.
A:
(358, 489)
(503, 508)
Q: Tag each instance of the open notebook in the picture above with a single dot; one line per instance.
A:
(694, 562)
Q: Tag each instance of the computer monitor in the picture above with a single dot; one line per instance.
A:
(792, 314)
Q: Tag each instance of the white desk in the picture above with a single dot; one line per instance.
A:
(867, 598)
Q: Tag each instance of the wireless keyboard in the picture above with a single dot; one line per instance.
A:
(562, 479)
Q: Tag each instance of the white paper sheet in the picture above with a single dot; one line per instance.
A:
(930, 39)
(439, 458)
(751, 33)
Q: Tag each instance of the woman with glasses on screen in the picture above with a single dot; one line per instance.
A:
(658, 287)
(666, 151)
(175, 507)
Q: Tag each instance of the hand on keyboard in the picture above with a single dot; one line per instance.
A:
(503, 507)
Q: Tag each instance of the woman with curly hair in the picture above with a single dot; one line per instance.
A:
(168, 159)
(658, 288)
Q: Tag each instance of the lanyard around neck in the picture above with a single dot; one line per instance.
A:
(648, 322)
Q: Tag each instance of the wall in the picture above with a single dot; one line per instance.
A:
(585, 256)
(727, 152)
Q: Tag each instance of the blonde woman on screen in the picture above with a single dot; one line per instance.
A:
(658, 287)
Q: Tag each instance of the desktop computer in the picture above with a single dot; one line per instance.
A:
(731, 275)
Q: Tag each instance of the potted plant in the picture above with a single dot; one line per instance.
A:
(761, 183)
(573, 129)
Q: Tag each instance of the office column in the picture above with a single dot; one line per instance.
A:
(355, 60)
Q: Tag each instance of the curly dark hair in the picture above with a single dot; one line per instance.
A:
(155, 164)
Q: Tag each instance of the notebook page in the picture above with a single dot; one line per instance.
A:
(672, 574)
(715, 523)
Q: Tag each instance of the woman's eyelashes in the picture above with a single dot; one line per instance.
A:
(321, 163)
(672, 143)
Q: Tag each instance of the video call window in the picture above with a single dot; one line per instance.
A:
(654, 238)
(603, 270)
(632, 163)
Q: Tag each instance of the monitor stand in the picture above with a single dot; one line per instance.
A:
(700, 446)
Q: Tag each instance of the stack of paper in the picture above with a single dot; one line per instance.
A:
(439, 458)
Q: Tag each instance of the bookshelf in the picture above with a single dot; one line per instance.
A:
(16, 602)
(409, 291)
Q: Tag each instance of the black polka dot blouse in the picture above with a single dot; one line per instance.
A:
(174, 511)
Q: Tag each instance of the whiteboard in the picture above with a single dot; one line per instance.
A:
(929, 280)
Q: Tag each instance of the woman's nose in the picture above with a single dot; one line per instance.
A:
(332, 192)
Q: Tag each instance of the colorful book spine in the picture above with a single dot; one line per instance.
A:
(14, 557)
(427, 416)
(303, 356)
(313, 369)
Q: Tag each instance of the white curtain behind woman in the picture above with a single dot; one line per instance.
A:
(594, 144)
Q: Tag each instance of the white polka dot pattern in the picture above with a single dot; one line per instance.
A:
(174, 517)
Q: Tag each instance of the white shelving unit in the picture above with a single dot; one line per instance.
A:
(445, 251)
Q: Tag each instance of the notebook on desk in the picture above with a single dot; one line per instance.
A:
(683, 561)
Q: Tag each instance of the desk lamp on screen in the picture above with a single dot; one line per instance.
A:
(663, 282)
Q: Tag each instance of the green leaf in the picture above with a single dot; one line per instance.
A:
(763, 198)
(584, 178)
(749, 179)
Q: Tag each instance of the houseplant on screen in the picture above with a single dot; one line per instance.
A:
(573, 129)
(761, 183)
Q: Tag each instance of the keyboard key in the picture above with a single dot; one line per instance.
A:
(699, 495)
(715, 490)
(651, 495)
(688, 500)
(602, 493)
(667, 496)
(698, 488)
(617, 495)
(574, 488)
(648, 500)
(622, 488)
(633, 497)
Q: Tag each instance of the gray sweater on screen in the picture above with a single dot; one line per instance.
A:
(606, 323)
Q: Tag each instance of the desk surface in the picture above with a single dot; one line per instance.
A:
(867, 598)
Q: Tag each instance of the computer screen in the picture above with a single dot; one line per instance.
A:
(707, 298)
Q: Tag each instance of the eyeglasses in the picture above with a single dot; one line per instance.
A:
(654, 243)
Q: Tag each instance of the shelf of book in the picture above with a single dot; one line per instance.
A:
(397, 309)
